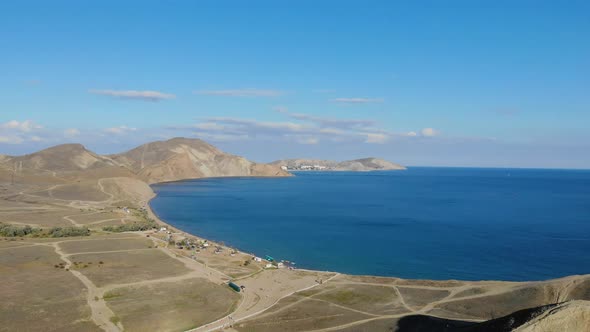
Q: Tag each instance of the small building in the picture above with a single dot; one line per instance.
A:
(234, 287)
(257, 259)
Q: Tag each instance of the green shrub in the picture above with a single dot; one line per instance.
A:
(135, 227)
(20, 231)
(7, 230)
(68, 231)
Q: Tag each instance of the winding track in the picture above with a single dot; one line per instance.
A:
(251, 304)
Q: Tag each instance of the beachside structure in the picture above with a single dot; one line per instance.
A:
(234, 286)
(306, 168)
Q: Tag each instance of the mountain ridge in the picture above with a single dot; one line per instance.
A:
(160, 161)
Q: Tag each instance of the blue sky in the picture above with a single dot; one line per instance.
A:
(457, 83)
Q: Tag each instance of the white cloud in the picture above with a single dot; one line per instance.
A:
(120, 130)
(71, 132)
(253, 126)
(304, 129)
(133, 94)
(429, 132)
(11, 139)
(332, 131)
(24, 126)
(308, 140)
(326, 122)
(209, 126)
(376, 138)
(358, 100)
(17, 132)
(221, 137)
(241, 93)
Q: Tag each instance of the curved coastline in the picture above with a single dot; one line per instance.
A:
(160, 220)
(152, 214)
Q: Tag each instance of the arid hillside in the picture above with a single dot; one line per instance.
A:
(61, 158)
(183, 158)
(175, 159)
(4, 158)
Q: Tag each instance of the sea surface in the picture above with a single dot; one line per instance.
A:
(431, 223)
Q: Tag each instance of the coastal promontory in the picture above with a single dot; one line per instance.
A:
(356, 165)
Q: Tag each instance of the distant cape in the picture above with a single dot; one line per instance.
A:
(358, 165)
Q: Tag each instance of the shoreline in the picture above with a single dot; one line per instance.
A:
(161, 221)
(267, 290)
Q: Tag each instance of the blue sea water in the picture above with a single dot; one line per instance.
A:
(432, 223)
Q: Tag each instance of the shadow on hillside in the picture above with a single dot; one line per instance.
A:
(423, 323)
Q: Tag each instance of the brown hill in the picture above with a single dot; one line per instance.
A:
(61, 158)
(175, 159)
(572, 316)
(183, 158)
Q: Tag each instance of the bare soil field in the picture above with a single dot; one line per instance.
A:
(171, 306)
(233, 266)
(32, 288)
(84, 246)
(39, 218)
(127, 267)
(503, 303)
(304, 315)
(99, 224)
(383, 324)
(419, 297)
(11, 242)
(87, 218)
(367, 298)
(89, 191)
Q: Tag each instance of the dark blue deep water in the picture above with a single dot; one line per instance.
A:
(433, 223)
